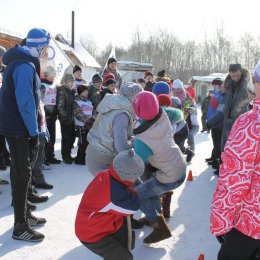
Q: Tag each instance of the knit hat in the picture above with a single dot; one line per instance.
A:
(37, 38)
(161, 87)
(128, 165)
(129, 90)
(2, 51)
(146, 105)
(217, 81)
(67, 78)
(81, 88)
(110, 60)
(109, 82)
(96, 78)
(49, 71)
(256, 74)
(176, 102)
(108, 75)
(177, 83)
(76, 68)
(164, 100)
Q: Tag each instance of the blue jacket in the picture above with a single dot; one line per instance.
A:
(18, 95)
(216, 120)
(213, 104)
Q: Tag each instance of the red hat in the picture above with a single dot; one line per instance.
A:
(164, 100)
(146, 105)
(107, 76)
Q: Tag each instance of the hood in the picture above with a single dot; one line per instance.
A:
(21, 53)
(113, 102)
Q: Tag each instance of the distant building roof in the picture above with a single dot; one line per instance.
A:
(133, 65)
(209, 78)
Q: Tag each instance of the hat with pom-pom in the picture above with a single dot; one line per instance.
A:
(146, 105)
(128, 165)
(161, 87)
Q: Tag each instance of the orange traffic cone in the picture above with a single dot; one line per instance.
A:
(201, 257)
(190, 178)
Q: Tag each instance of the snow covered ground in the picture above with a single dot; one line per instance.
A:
(189, 223)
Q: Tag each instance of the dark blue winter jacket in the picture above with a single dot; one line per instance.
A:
(216, 120)
(18, 95)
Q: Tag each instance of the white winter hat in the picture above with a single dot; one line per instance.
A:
(177, 83)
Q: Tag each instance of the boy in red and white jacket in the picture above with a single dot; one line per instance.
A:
(101, 224)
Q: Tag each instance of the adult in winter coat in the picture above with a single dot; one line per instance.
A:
(112, 129)
(18, 122)
(112, 68)
(236, 202)
(154, 144)
(238, 88)
(102, 223)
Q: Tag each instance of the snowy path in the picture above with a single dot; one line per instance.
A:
(190, 211)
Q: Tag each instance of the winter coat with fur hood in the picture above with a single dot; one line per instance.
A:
(236, 101)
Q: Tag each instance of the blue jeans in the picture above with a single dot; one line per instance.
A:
(149, 193)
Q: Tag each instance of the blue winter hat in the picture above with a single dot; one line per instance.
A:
(37, 38)
(176, 102)
(161, 87)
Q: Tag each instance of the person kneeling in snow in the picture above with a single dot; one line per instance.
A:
(103, 223)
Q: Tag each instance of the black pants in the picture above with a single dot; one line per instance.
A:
(181, 136)
(67, 140)
(49, 147)
(112, 247)
(20, 173)
(204, 122)
(83, 143)
(216, 134)
(238, 246)
(4, 154)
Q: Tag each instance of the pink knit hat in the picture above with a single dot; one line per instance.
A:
(146, 105)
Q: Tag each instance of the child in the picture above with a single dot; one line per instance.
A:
(65, 99)
(154, 144)
(100, 222)
(83, 118)
(110, 88)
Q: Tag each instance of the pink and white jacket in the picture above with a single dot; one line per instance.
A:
(236, 201)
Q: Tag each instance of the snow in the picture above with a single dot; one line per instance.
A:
(190, 210)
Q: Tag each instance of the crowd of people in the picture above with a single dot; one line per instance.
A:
(136, 139)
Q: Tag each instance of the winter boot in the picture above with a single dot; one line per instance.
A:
(190, 154)
(145, 221)
(136, 224)
(160, 231)
(80, 161)
(23, 231)
(166, 203)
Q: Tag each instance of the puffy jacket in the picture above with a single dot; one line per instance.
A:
(236, 201)
(106, 201)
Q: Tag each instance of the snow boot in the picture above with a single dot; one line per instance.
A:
(166, 203)
(136, 224)
(190, 154)
(160, 231)
(145, 221)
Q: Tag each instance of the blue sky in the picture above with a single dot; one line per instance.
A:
(116, 20)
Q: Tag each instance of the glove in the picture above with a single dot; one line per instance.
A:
(221, 239)
(88, 125)
(34, 142)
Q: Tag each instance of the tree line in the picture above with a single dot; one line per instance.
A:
(183, 59)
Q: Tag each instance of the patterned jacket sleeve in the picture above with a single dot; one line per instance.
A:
(61, 105)
(79, 114)
(235, 176)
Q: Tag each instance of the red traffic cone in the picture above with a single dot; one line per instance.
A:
(201, 257)
(190, 178)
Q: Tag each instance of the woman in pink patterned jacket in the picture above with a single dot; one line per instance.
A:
(235, 213)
